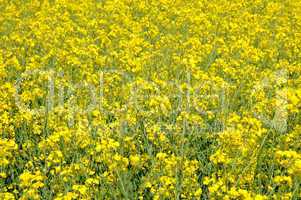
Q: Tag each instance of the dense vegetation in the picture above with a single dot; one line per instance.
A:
(150, 99)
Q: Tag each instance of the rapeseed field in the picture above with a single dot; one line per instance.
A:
(150, 99)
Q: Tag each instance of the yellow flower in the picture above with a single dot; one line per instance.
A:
(82, 189)
(134, 160)
(285, 180)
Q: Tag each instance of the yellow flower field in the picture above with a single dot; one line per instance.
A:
(150, 99)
